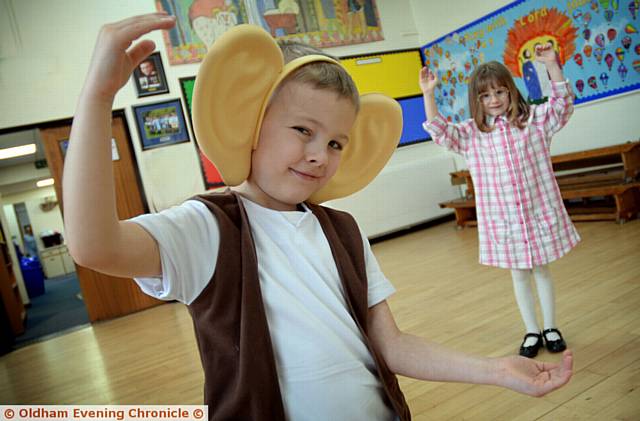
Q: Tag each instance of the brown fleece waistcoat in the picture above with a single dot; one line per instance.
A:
(241, 381)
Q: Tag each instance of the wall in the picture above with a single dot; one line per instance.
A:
(405, 193)
(41, 82)
(21, 177)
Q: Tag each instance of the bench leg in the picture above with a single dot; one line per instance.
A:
(627, 205)
(631, 162)
(464, 216)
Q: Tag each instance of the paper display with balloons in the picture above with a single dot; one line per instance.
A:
(597, 44)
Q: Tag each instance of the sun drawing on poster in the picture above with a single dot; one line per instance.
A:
(539, 27)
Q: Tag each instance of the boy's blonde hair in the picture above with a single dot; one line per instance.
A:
(320, 75)
(495, 74)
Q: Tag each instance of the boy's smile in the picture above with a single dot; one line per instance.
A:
(306, 176)
(301, 140)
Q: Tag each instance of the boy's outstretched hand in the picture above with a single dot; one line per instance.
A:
(428, 80)
(532, 377)
(114, 57)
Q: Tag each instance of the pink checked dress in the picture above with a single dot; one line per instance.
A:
(522, 221)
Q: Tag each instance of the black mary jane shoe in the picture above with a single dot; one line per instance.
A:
(554, 346)
(531, 351)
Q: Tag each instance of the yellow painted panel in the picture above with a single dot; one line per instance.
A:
(393, 74)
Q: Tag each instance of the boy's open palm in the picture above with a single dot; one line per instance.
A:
(114, 57)
(428, 80)
(536, 378)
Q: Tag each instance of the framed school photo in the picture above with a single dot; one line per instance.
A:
(149, 76)
(161, 124)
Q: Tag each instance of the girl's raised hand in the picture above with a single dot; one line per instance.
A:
(545, 53)
(428, 80)
(115, 54)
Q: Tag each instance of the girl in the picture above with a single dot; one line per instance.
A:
(522, 222)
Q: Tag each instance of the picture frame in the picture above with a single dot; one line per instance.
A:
(149, 77)
(161, 124)
(323, 24)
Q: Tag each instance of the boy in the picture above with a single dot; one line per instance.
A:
(287, 299)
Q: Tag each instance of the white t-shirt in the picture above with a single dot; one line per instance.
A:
(324, 367)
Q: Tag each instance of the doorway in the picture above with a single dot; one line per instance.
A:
(102, 297)
(39, 259)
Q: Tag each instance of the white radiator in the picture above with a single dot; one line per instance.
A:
(405, 193)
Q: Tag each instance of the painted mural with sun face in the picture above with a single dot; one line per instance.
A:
(539, 27)
(597, 43)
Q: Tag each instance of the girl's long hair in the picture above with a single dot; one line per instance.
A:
(495, 74)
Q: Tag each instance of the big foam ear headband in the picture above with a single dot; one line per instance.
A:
(233, 87)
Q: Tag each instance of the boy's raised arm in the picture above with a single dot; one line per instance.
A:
(95, 236)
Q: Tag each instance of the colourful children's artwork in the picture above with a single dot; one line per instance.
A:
(596, 41)
(323, 23)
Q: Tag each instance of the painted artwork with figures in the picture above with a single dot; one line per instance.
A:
(596, 41)
(323, 23)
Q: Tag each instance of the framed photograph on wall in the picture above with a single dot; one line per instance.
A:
(161, 124)
(149, 76)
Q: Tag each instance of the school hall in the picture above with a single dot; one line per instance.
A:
(72, 336)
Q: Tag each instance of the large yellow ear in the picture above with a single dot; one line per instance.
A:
(231, 87)
(374, 138)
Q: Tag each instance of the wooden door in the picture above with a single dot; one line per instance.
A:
(105, 296)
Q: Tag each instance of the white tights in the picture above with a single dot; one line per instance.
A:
(524, 298)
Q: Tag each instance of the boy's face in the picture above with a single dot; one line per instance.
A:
(303, 133)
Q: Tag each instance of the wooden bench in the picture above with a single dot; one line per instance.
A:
(611, 191)
(465, 211)
(625, 154)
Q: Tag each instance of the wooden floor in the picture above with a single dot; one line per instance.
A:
(443, 294)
